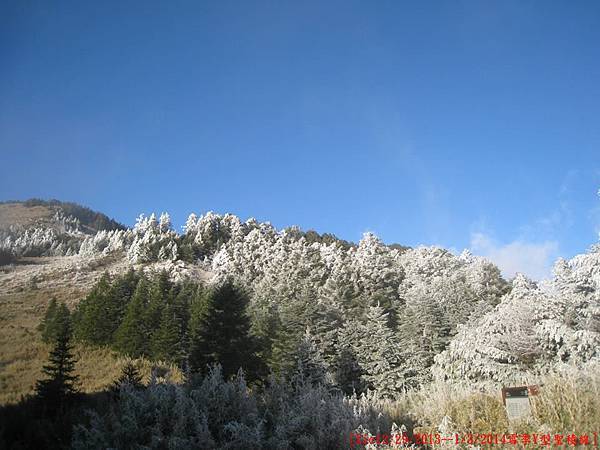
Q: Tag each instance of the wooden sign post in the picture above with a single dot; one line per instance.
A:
(516, 401)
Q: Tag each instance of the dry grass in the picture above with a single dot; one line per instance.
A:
(568, 402)
(19, 214)
(22, 305)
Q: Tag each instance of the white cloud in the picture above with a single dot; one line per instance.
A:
(534, 259)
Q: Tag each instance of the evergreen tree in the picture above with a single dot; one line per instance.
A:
(380, 356)
(158, 296)
(347, 370)
(123, 288)
(199, 306)
(265, 327)
(424, 331)
(57, 320)
(223, 334)
(47, 323)
(166, 340)
(130, 375)
(98, 315)
(295, 316)
(59, 386)
(131, 337)
(310, 366)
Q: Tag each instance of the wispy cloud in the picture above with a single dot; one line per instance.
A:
(534, 259)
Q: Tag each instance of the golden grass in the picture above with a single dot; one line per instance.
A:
(23, 354)
(568, 402)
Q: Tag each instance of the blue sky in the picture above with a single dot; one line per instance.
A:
(467, 124)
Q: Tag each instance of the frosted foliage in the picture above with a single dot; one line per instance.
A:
(211, 413)
(150, 240)
(62, 235)
(374, 269)
(533, 328)
(164, 224)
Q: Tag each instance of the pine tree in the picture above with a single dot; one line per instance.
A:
(380, 356)
(310, 366)
(295, 315)
(123, 289)
(348, 374)
(131, 337)
(59, 386)
(158, 297)
(199, 307)
(98, 315)
(46, 325)
(166, 341)
(130, 375)
(424, 331)
(57, 320)
(223, 333)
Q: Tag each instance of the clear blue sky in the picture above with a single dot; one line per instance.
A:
(458, 123)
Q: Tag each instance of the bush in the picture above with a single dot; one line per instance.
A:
(6, 257)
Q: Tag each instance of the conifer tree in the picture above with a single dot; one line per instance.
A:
(47, 323)
(130, 375)
(294, 316)
(380, 356)
(123, 288)
(59, 386)
(131, 337)
(347, 371)
(158, 297)
(310, 366)
(166, 340)
(57, 320)
(424, 331)
(223, 334)
(199, 306)
(98, 315)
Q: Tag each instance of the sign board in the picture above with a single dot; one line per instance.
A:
(516, 401)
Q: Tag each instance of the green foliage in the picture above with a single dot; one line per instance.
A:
(380, 354)
(221, 332)
(166, 340)
(99, 314)
(58, 388)
(159, 295)
(56, 322)
(130, 375)
(131, 338)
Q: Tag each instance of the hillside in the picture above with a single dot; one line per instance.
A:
(47, 228)
(42, 213)
(406, 327)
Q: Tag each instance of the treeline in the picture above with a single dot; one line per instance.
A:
(193, 326)
(186, 323)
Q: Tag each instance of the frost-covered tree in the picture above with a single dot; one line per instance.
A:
(379, 354)
(310, 366)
